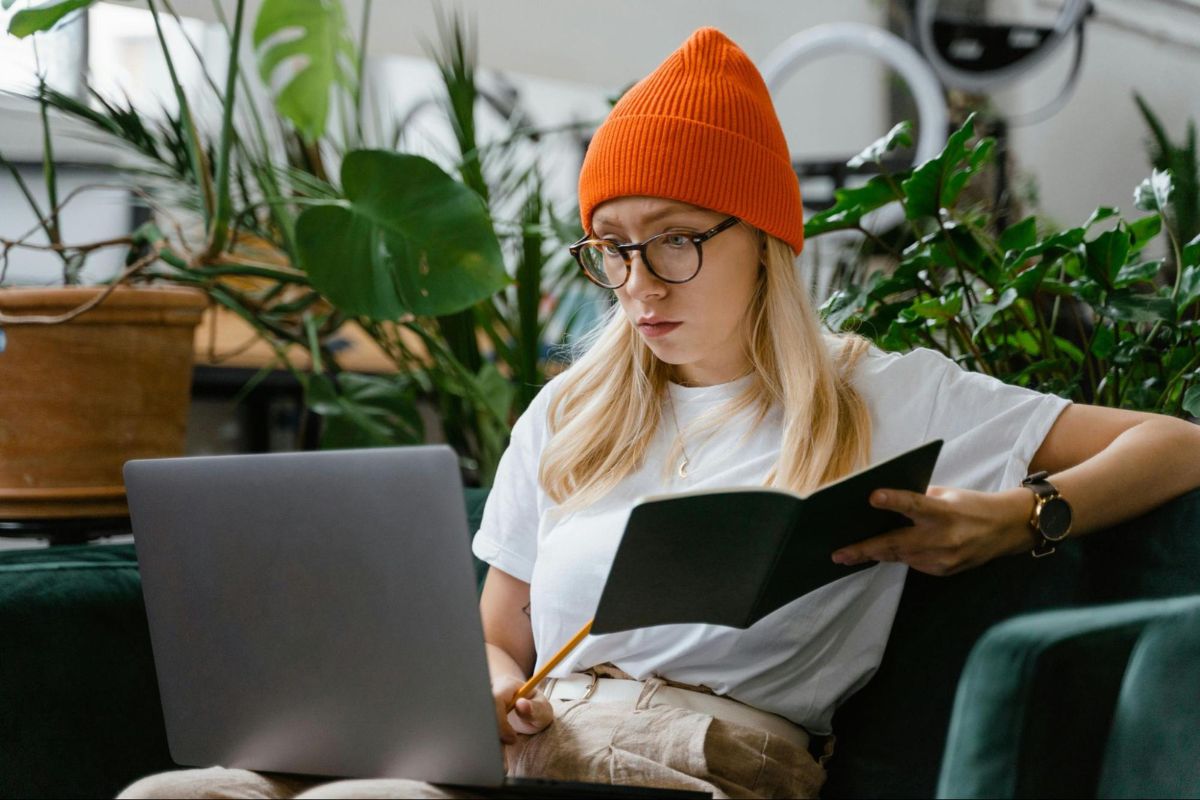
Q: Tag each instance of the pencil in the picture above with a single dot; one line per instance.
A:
(540, 675)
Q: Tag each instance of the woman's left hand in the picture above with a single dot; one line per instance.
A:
(953, 529)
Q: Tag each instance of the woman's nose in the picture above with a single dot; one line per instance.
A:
(642, 282)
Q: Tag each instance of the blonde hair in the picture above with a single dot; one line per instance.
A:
(604, 416)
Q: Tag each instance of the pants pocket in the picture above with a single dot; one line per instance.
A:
(747, 762)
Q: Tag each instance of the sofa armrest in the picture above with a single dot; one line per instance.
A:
(1154, 748)
(1035, 704)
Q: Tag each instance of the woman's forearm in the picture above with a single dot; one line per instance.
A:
(502, 664)
(1143, 467)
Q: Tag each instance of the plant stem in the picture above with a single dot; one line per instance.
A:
(880, 243)
(361, 70)
(194, 145)
(50, 177)
(29, 198)
(218, 233)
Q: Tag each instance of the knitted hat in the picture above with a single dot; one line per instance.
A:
(700, 129)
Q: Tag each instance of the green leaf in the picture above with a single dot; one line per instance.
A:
(1102, 213)
(980, 155)
(942, 308)
(1154, 193)
(1191, 252)
(1144, 230)
(1138, 308)
(898, 136)
(924, 189)
(842, 305)
(1191, 400)
(983, 313)
(410, 239)
(1019, 236)
(1106, 255)
(1103, 342)
(1070, 348)
(1027, 281)
(1141, 272)
(365, 410)
(1063, 240)
(850, 206)
(321, 396)
(42, 18)
(1189, 287)
(496, 390)
(147, 233)
(308, 40)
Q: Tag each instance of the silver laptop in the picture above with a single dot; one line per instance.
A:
(316, 613)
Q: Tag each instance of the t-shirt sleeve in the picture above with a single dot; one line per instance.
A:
(507, 536)
(991, 430)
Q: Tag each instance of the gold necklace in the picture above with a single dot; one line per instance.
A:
(683, 465)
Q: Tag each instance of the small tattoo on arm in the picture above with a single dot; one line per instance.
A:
(526, 609)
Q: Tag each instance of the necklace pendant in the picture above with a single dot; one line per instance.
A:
(683, 468)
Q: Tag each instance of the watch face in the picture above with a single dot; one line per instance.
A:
(1055, 519)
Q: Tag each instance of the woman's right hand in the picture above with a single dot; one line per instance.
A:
(531, 715)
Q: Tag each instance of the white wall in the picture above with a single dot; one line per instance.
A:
(828, 110)
(1092, 152)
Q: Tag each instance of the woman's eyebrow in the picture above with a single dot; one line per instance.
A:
(648, 219)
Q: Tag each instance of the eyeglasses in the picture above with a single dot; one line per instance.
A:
(671, 256)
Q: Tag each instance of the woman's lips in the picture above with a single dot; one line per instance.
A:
(655, 330)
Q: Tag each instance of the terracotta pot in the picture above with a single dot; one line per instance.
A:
(79, 399)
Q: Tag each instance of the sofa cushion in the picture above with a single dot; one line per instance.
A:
(81, 712)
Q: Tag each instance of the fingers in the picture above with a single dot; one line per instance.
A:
(532, 714)
(893, 546)
(910, 504)
(529, 715)
(507, 734)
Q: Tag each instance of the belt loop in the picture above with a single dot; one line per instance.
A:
(652, 685)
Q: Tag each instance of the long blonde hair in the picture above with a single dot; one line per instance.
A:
(604, 416)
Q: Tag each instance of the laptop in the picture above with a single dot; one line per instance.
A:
(316, 613)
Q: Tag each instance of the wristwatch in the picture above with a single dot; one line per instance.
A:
(1051, 518)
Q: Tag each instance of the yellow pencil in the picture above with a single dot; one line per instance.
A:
(538, 676)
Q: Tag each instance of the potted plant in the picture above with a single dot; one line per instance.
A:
(306, 229)
(1082, 312)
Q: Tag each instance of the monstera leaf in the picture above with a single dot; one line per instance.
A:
(41, 17)
(407, 239)
(307, 39)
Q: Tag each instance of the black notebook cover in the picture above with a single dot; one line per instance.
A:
(731, 557)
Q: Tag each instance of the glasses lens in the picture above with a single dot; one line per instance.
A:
(674, 256)
(604, 263)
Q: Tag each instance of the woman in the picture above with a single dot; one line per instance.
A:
(710, 371)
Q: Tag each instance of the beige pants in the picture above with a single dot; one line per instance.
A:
(643, 744)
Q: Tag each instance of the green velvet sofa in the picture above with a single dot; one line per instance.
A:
(1097, 697)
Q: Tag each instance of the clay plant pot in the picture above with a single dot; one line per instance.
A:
(80, 398)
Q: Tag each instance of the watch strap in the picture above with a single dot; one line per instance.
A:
(1043, 491)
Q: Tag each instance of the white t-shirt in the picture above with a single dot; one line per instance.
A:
(807, 657)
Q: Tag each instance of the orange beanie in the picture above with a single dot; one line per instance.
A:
(700, 129)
